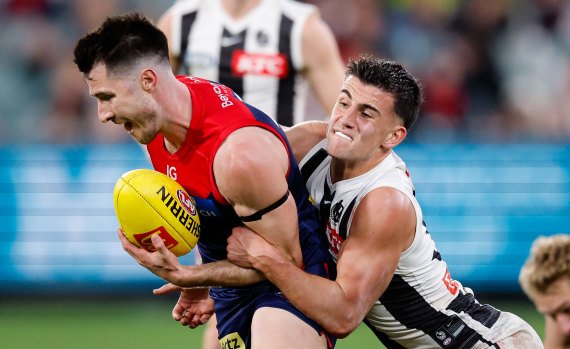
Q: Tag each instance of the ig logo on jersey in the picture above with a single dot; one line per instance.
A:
(171, 172)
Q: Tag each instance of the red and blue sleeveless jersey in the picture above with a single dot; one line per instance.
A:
(217, 112)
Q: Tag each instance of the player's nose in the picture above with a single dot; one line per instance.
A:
(348, 117)
(104, 114)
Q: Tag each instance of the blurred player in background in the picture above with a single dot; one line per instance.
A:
(232, 158)
(389, 271)
(264, 50)
(545, 278)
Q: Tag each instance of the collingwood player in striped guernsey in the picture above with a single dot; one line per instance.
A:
(390, 273)
(266, 51)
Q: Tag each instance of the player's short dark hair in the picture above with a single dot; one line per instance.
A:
(119, 42)
(392, 77)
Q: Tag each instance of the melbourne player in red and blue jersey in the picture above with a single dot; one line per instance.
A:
(233, 159)
(217, 112)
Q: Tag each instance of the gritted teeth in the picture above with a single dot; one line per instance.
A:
(343, 135)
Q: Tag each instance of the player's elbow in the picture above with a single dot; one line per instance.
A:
(343, 325)
(341, 331)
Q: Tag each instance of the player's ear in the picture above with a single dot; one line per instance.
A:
(148, 79)
(396, 137)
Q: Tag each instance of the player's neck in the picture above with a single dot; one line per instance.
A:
(178, 115)
(239, 8)
(345, 169)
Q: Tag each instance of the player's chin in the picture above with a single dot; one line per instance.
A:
(141, 137)
(337, 149)
(340, 144)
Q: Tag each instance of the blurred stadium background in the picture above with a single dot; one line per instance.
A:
(489, 158)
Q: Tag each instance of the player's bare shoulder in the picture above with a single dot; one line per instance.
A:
(304, 136)
(251, 145)
(248, 157)
(388, 213)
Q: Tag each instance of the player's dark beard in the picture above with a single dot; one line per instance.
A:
(148, 129)
(147, 137)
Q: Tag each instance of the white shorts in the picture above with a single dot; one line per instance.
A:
(511, 332)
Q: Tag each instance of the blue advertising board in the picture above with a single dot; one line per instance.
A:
(483, 205)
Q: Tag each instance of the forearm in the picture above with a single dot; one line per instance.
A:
(321, 299)
(221, 273)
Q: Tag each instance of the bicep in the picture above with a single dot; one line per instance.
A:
(370, 255)
(250, 170)
(364, 270)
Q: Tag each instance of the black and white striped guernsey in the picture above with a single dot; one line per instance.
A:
(423, 307)
(258, 56)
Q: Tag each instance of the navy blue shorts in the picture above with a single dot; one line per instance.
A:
(234, 308)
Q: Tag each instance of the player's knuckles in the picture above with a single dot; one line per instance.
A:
(205, 319)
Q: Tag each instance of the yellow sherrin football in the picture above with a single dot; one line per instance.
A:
(148, 202)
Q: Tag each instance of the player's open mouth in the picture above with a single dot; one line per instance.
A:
(128, 126)
(340, 134)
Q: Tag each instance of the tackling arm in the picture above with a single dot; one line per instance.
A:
(366, 263)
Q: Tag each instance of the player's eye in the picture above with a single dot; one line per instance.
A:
(104, 98)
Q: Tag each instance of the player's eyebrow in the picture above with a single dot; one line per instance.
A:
(365, 105)
(368, 106)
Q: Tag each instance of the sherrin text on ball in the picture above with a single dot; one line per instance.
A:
(148, 202)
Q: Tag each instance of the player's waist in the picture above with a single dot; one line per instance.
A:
(234, 293)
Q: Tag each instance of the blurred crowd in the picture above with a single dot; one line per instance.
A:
(492, 70)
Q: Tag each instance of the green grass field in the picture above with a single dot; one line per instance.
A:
(94, 324)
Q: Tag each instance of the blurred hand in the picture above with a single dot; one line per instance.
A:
(194, 307)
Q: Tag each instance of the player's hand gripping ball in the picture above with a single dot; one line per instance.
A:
(148, 202)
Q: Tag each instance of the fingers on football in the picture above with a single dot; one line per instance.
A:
(127, 245)
(158, 242)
